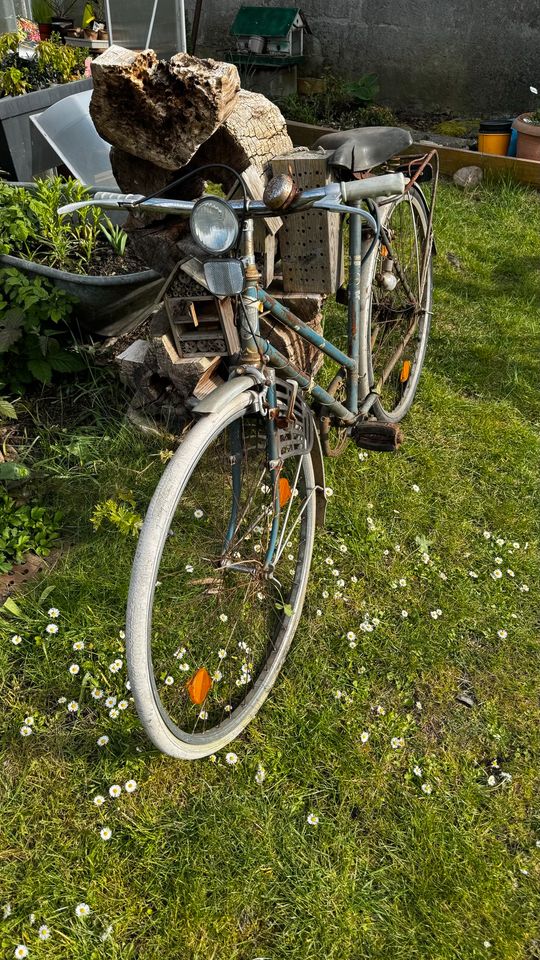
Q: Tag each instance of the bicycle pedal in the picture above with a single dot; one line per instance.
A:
(374, 435)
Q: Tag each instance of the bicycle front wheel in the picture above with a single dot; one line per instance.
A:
(397, 327)
(210, 617)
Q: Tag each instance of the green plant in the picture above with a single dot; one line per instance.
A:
(30, 348)
(119, 513)
(334, 107)
(116, 236)
(31, 227)
(25, 528)
(53, 63)
(41, 11)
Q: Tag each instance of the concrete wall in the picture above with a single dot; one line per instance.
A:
(472, 57)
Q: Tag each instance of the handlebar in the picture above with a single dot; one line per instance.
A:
(335, 197)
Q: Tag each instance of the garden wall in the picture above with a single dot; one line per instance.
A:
(476, 57)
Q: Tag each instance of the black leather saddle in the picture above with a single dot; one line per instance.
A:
(366, 147)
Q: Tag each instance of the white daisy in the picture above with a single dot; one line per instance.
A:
(51, 628)
(130, 786)
(404, 614)
(198, 514)
(114, 713)
(99, 800)
(364, 736)
(222, 653)
(44, 932)
(416, 488)
(78, 645)
(231, 758)
(502, 634)
(402, 582)
(29, 721)
(184, 667)
(16, 639)
(20, 951)
(53, 612)
(312, 819)
(381, 711)
(115, 790)
(223, 617)
(497, 574)
(82, 910)
(169, 681)
(260, 776)
(123, 704)
(397, 742)
(329, 492)
(97, 693)
(203, 715)
(486, 534)
(25, 731)
(427, 788)
(74, 669)
(105, 833)
(73, 706)
(417, 771)
(62, 700)
(103, 740)
(110, 701)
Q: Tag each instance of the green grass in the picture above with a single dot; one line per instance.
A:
(205, 863)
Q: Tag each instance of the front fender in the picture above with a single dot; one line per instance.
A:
(222, 395)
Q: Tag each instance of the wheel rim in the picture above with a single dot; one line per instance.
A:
(215, 631)
(399, 315)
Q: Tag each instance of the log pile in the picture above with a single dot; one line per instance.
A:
(166, 119)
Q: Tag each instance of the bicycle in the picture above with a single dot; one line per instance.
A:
(223, 558)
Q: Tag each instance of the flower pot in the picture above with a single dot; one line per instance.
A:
(494, 136)
(107, 306)
(528, 145)
(91, 34)
(103, 35)
(45, 30)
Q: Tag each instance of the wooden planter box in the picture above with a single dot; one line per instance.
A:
(15, 127)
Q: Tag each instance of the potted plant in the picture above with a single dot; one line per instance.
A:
(528, 131)
(29, 85)
(87, 256)
(41, 14)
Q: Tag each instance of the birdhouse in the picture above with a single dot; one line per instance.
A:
(272, 32)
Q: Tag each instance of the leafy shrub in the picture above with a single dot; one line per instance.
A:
(30, 348)
(31, 227)
(25, 528)
(343, 104)
(119, 513)
(53, 63)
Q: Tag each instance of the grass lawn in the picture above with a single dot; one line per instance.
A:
(428, 840)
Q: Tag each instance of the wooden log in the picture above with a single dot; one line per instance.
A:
(300, 353)
(161, 110)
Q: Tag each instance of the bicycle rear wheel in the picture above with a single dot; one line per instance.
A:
(208, 627)
(397, 327)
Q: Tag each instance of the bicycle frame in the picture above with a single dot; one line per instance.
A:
(253, 343)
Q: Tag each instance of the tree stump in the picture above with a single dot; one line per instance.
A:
(160, 110)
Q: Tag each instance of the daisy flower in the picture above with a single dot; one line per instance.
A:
(427, 788)
(74, 669)
(99, 800)
(486, 534)
(198, 514)
(130, 786)
(97, 693)
(110, 702)
(502, 634)
(203, 715)
(404, 614)
(169, 681)
(105, 833)
(397, 742)
(223, 617)
(381, 711)
(62, 700)
(44, 932)
(351, 635)
(329, 492)
(123, 704)
(103, 740)
(53, 612)
(73, 706)
(114, 713)
(497, 574)
(417, 771)
(364, 736)
(78, 645)
(231, 759)
(189, 568)
(21, 951)
(25, 730)
(16, 639)
(29, 721)
(51, 628)
(473, 574)
(115, 790)
(222, 654)
(402, 582)
(82, 910)
(416, 488)
(312, 819)
(260, 776)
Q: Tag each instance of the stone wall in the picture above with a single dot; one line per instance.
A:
(472, 57)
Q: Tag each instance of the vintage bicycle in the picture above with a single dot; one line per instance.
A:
(223, 558)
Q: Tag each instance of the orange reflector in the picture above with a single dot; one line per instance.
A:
(199, 686)
(285, 491)
(384, 251)
(405, 371)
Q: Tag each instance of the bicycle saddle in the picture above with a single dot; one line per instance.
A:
(366, 147)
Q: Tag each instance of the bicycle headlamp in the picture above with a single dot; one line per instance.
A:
(214, 225)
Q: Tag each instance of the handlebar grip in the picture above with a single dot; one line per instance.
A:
(387, 185)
